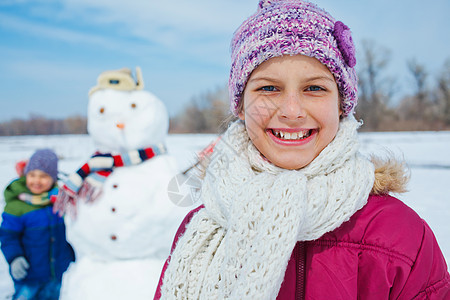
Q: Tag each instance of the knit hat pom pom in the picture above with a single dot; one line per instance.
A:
(345, 43)
(264, 3)
(20, 167)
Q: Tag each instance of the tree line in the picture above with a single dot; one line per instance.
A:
(40, 125)
(426, 107)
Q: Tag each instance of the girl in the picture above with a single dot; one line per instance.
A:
(291, 209)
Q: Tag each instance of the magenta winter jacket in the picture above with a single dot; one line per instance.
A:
(385, 251)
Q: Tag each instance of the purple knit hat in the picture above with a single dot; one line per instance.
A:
(290, 27)
(44, 160)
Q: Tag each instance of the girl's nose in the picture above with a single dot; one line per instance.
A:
(292, 107)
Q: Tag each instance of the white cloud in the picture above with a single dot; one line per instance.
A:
(193, 27)
(199, 29)
(48, 31)
(202, 16)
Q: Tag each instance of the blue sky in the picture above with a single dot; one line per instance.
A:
(52, 51)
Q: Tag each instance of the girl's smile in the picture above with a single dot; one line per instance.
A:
(291, 109)
(290, 136)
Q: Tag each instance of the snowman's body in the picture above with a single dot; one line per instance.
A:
(131, 211)
(121, 238)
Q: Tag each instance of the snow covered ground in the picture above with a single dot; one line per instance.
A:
(427, 154)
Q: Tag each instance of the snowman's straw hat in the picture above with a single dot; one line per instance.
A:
(121, 80)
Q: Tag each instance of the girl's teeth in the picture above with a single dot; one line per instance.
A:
(291, 135)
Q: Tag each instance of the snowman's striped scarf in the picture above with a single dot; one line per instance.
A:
(87, 181)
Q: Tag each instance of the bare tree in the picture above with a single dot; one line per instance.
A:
(193, 119)
(218, 109)
(420, 98)
(443, 93)
(204, 113)
(374, 86)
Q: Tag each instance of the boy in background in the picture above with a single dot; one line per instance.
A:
(32, 237)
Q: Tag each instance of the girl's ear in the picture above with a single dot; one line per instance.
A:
(240, 109)
(241, 115)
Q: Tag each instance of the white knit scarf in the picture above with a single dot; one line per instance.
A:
(239, 245)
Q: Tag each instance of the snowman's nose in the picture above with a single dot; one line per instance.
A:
(120, 125)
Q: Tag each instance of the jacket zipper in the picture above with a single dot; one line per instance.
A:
(301, 270)
(52, 245)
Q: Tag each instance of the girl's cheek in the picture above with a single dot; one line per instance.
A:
(262, 108)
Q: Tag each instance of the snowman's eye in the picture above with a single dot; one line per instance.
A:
(102, 110)
(133, 105)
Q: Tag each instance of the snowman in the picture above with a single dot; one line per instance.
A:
(119, 218)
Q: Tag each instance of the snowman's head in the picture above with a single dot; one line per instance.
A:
(126, 120)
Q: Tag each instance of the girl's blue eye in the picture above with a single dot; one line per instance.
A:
(314, 88)
(268, 88)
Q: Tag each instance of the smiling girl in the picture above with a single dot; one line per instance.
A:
(291, 110)
(291, 209)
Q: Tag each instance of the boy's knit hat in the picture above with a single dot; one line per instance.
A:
(44, 160)
(291, 27)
